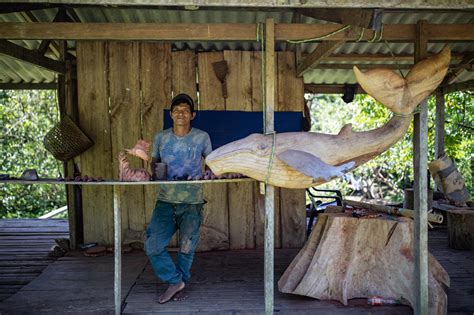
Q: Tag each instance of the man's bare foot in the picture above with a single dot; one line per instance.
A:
(170, 292)
(181, 296)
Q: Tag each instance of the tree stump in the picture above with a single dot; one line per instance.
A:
(347, 257)
(461, 228)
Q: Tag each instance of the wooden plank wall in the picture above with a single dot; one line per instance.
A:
(97, 201)
(215, 224)
(123, 89)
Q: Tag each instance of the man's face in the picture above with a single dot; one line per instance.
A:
(181, 115)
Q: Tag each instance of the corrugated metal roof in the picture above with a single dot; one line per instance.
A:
(12, 70)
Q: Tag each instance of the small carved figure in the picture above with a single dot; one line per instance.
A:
(129, 174)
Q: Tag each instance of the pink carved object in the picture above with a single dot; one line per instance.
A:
(140, 150)
(129, 174)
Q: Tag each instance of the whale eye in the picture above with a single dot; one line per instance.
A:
(262, 146)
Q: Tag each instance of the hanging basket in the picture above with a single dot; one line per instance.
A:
(66, 140)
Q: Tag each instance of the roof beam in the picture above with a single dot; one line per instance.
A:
(461, 86)
(404, 66)
(354, 17)
(17, 7)
(320, 52)
(380, 57)
(465, 64)
(329, 89)
(28, 86)
(399, 4)
(219, 32)
(30, 56)
(357, 18)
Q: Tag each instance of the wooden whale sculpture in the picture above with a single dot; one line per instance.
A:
(304, 159)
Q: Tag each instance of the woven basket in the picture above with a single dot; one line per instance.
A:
(66, 140)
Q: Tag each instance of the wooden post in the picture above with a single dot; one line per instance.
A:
(439, 134)
(67, 99)
(118, 252)
(269, 190)
(420, 161)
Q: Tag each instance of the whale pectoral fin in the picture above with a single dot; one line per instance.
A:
(312, 166)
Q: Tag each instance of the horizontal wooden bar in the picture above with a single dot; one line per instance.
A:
(329, 89)
(31, 56)
(195, 5)
(120, 183)
(222, 32)
(28, 86)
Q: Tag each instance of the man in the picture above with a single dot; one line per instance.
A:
(178, 206)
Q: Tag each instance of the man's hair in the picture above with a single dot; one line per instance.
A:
(182, 99)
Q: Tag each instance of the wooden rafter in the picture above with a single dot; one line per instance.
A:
(218, 32)
(30, 56)
(358, 18)
(465, 64)
(355, 17)
(461, 86)
(313, 59)
(20, 7)
(379, 57)
(328, 89)
(28, 86)
(400, 4)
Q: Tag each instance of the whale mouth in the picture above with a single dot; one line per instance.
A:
(216, 155)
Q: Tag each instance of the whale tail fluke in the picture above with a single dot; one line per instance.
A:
(402, 95)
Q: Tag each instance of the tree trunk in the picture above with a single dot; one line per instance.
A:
(347, 257)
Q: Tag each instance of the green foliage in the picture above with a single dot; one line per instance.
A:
(25, 117)
(386, 175)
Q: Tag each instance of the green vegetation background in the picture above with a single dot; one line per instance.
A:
(26, 116)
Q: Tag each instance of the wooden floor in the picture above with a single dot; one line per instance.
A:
(225, 282)
(24, 247)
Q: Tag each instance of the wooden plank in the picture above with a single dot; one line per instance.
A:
(420, 160)
(221, 31)
(268, 127)
(238, 80)
(461, 86)
(352, 16)
(215, 225)
(292, 201)
(30, 56)
(210, 95)
(290, 88)
(240, 195)
(183, 80)
(155, 82)
(125, 124)
(321, 51)
(467, 61)
(184, 73)
(94, 117)
(328, 89)
(439, 124)
(259, 203)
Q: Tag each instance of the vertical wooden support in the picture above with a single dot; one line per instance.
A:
(269, 190)
(67, 98)
(439, 134)
(420, 161)
(118, 252)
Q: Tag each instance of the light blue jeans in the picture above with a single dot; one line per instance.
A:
(167, 218)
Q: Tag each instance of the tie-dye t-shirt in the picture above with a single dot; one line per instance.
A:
(183, 156)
